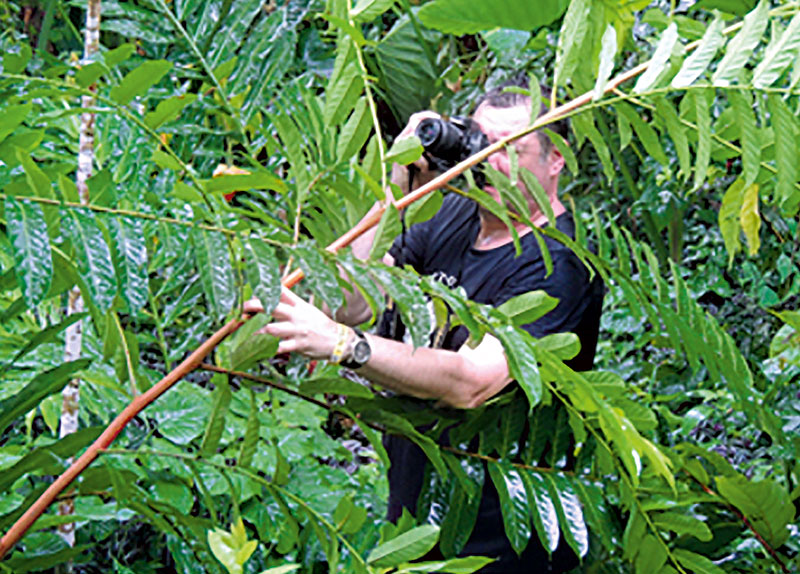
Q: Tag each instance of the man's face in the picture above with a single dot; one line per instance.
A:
(498, 123)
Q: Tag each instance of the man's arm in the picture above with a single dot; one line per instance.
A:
(463, 379)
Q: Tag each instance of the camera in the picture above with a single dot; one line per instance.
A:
(448, 143)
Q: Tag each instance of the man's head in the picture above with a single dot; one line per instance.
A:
(500, 114)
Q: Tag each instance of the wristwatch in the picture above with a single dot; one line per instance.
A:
(360, 352)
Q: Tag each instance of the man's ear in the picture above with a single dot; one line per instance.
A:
(556, 161)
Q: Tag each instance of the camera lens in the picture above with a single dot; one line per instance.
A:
(441, 139)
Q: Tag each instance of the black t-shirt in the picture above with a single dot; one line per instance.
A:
(442, 247)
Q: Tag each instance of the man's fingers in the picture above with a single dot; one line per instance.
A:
(287, 296)
(252, 306)
(280, 329)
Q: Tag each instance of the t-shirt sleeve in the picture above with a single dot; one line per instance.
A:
(569, 283)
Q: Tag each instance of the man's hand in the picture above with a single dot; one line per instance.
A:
(302, 328)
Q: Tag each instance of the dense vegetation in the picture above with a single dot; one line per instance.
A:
(682, 445)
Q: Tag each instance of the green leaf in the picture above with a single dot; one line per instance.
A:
(522, 361)
(232, 548)
(216, 273)
(729, 222)
(89, 74)
(250, 441)
(570, 513)
(130, 253)
(564, 148)
(342, 95)
(750, 139)
(682, 524)
(459, 521)
(119, 54)
(93, 256)
(659, 59)
(608, 50)
(321, 276)
(30, 245)
(408, 546)
(48, 459)
(407, 69)
(216, 421)
(542, 509)
(12, 117)
(703, 152)
(44, 336)
(784, 125)
(459, 17)
(647, 135)
(388, 229)
(528, 307)
(651, 555)
(583, 123)
(354, 133)
(335, 385)
(534, 187)
(677, 132)
(778, 55)
(698, 61)
(251, 347)
(596, 512)
(181, 416)
(424, 209)
(368, 10)
(510, 194)
(513, 504)
(570, 40)
(742, 46)
(139, 80)
(167, 110)
(405, 151)
(750, 219)
(37, 180)
(263, 273)
(696, 563)
(42, 386)
(764, 503)
(257, 180)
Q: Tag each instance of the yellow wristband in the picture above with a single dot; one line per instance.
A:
(343, 336)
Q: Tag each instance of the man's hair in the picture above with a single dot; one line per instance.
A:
(498, 97)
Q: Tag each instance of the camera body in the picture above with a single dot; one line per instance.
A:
(448, 143)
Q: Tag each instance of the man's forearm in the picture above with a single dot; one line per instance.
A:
(457, 379)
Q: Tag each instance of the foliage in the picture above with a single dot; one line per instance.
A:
(678, 454)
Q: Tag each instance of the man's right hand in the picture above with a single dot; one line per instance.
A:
(423, 174)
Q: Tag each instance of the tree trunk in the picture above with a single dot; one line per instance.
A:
(72, 351)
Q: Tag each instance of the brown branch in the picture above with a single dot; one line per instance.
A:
(193, 361)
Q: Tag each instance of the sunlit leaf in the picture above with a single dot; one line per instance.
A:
(778, 55)
(659, 60)
(30, 244)
(408, 546)
(93, 256)
(698, 61)
(608, 49)
(740, 49)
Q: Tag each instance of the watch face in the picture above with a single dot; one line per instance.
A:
(361, 352)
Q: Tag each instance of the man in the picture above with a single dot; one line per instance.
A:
(466, 246)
